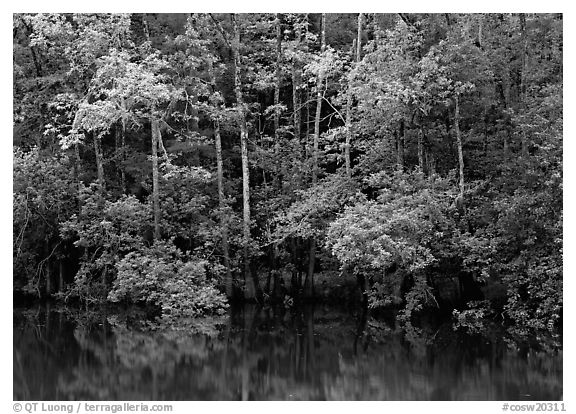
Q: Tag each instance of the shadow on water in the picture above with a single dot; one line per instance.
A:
(306, 353)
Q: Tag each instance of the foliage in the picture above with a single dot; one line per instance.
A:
(89, 88)
(160, 275)
(43, 189)
(104, 231)
(408, 228)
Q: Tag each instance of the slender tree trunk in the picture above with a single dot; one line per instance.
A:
(359, 38)
(229, 281)
(459, 144)
(357, 45)
(278, 81)
(480, 19)
(430, 162)
(309, 283)
(60, 276)
(48, 279)
(99, 160)
(421, 148)
(155, 185)
(251, 282)
(77, 161)
(348, 132)
(523, 77)
(118, 132)
(296, 98)
(400, 145)
(222, 204)
(123, 153)
(319, 82)
(296, 102)
(280, 171)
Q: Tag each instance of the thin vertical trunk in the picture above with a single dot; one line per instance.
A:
(459, 144)
(309, 280)
(348, 128)
(222, 203)
(48, 279)
(251, 282)
(480, 18)
(99, 160)
(523, 76)
(400, 145)
(296, 81)
(228, 282)
(421, 149)
(430, 162)
(61, 276)
(524, 39)
(77, 161)
(118, 142)
(320, 80)
(357, 49)
(123, 150)
(507, 135)
(359, 38)
(278, 80)
(309, 283)
(280, 173)
(376, 29)
(155, 185)
(296, 99)
(36, 61)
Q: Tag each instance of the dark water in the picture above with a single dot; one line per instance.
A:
(315, 353)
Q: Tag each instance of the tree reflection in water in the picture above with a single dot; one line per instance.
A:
(273, 354)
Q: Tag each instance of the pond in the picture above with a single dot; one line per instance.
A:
(308, 353)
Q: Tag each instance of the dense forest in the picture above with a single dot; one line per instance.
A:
(188, 161)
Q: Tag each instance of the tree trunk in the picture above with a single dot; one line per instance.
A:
(229, 281)
(400, 145)
(99, 160)
(359, 38)
(123, 152)
(357, 45)
(278, 80)
(320, 79)
(77, 161)
(430, 162)
(296, 102)
(421, 149)
(61, 276)
(296, 99)
(459, 144)
(48, 279)
(222, 204)
(309, 283)
(118, 132)
(348, 133)
(280, 170)
(155, 185)
(523, 76)
(251, 282)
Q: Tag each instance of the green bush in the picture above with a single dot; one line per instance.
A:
(160, 275)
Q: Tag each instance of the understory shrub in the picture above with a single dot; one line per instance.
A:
(161, 275)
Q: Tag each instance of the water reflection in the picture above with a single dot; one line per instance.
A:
(316, 353)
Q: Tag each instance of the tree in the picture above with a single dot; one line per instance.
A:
(252, 289)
